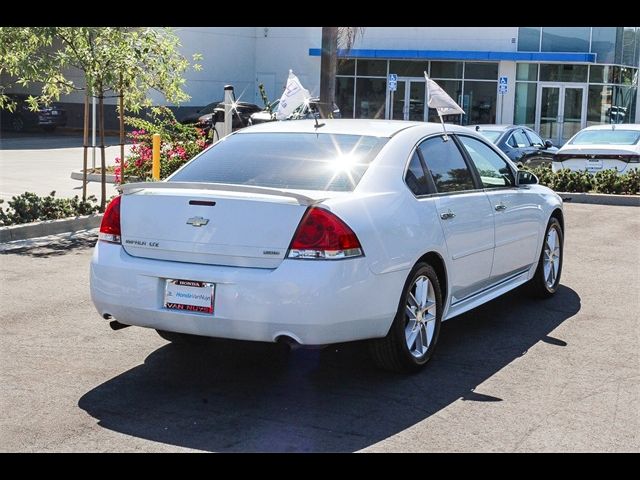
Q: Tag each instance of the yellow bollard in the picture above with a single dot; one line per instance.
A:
(155, 171)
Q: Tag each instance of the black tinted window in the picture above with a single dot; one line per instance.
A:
(208, 109)
(519, 139)
(536, 141)
(415, 177)
(304, 161)
(493, 170)
(446, 164)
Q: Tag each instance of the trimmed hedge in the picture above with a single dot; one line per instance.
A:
(605, 181)
(29, 207)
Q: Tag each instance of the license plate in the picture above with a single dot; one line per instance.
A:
(55, 112)
(189, 295)
(595, 164)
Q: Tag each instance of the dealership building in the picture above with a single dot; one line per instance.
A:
(556, 80)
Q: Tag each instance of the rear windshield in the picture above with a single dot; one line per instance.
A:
(607, 137)
(491, 135)
(301, 161)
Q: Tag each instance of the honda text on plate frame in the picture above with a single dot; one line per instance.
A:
(359, 229)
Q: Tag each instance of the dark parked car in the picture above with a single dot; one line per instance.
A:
(520, 143)
(212, 114)
(306, 111)
(47, 118)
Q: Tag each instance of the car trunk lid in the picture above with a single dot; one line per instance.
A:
(210, 223)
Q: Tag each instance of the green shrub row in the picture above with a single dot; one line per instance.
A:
(605, 181)
(29, 207)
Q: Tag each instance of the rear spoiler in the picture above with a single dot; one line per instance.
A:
(129, 188)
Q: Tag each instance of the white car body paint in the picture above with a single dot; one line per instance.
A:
(597, 157)
(264, 296)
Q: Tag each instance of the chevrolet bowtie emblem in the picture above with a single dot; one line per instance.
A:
(197, 221)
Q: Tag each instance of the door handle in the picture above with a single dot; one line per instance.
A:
(447, 215)
(500, 207)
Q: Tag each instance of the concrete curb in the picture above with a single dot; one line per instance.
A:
(601, 199)
(96, 177)
(49, 227)
(93, 177)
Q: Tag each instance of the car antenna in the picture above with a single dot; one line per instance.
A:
(317, 125)
(477, 128)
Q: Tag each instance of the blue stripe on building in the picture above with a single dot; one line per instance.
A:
(464, 55)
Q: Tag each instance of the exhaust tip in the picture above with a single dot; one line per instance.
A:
(290, 342)
(116, 325)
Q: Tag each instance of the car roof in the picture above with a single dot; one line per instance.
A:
(497, 128)
(374, 128)
(614, 126)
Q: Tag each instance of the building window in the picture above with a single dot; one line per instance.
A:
(407, 68)
(610, 104)
(529, 39)
(479, 100)
(480, 71)
(345, 96)
(603, 44)
(525, 105)
(370, 97)
(527, 72)
(629, 54)
(604, 74)
(565, 39)
(372, 68)
(557, 72)
(446, 70)
(346, 66)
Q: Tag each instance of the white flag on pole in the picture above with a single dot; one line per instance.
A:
(439, 99)
(293, 96)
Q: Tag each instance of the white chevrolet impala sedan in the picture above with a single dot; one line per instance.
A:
(316, 234)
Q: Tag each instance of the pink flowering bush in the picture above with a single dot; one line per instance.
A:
(178, 144)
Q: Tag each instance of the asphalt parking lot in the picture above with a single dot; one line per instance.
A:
(513, 375)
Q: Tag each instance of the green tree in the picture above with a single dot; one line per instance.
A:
(126, 61)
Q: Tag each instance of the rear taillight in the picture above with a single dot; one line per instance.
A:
(321, 235)
(110, 226)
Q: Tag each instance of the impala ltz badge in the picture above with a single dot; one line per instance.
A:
(197, 221)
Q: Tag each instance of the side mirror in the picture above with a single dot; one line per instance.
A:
(548, 144)
(526, 178)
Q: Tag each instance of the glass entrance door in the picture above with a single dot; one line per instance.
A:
(407, 102)
(561, 111)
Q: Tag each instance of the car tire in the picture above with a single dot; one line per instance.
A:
(546, 280)
(182, 338)
(17, 124)
(413, 335)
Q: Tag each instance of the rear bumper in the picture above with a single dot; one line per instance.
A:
(313, 302)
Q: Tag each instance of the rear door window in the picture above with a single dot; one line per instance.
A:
(446, 164)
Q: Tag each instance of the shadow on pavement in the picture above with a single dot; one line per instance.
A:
(236, 396)
(61, 246)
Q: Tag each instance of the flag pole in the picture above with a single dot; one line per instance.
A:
(426, 85)
(446, 138)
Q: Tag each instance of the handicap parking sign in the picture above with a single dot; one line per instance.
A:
(392, 82)
(502, 85)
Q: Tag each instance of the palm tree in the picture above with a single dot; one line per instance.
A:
(332, 39)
